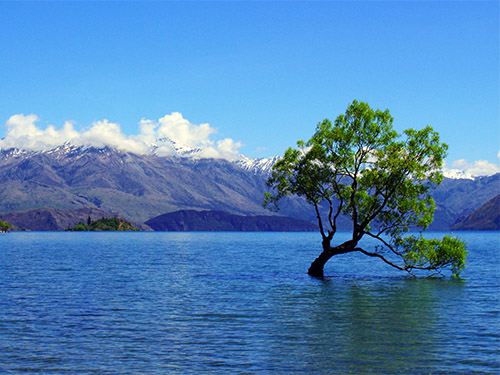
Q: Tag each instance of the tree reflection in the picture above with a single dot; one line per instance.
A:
(353, 326)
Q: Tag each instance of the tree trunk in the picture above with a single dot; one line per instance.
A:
(316, 268)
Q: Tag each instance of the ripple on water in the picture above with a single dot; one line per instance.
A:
(240, 303)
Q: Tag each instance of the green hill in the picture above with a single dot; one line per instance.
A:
(104, 225)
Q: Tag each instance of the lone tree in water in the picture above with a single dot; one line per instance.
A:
(361, 168)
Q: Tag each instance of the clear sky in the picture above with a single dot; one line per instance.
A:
(259, 73)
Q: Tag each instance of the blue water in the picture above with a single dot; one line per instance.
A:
(237, 303)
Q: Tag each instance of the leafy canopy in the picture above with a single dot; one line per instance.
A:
(360, 167)
(4, 227)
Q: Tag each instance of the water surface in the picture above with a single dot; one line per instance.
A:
(127, 303)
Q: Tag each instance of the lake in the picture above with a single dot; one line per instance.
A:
(238, 303)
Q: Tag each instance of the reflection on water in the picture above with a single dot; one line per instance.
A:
(235, 303)
(362, 326)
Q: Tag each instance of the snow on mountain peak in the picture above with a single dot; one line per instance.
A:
(257, 166)
(457, 174)
(161, 147)
(167, 147)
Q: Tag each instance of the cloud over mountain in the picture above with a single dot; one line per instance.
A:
(464, 169)
(24, 133)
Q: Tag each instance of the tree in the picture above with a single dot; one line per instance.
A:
(362, 168)
(4, 227)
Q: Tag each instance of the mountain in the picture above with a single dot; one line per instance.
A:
(142, 187)
(261, 166)
(137, 186)
(486, 217)
(51, 219)
(459, 197)
(190, 220)
(167, 147)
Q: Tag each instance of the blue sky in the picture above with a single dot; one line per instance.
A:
(260, 73)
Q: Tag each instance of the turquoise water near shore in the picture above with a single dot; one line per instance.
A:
(180, 303)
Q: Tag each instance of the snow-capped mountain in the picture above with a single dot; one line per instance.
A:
(142, 186)
(257, 166)
(167, 147)
(139, 186)
(457, 174)
(163, 147)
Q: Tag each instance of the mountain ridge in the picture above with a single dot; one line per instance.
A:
(192, 220)
(145, 186)
(486, 217)
(166, 147)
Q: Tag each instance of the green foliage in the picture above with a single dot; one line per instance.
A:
(80, 227)
(104, 224)
(360, 167)
(419, 252)
(4, 227)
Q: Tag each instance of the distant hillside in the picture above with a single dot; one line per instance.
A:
(51, 219)
(191, 220)
(487, 217)
(458, 198)
(138, 186)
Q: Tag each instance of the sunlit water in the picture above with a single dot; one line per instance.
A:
(181, 303)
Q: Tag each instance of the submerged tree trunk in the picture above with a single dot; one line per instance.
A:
(317, 267)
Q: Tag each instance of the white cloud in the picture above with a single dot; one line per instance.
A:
(225, 149)
(24, 133)
(180, 130)
(465, 169)
(104, 133)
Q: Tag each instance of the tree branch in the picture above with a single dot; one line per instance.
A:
(320, 223)
(341, 203)
(388, 245)
(384, 203)
(407, 269)
(330, 210)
